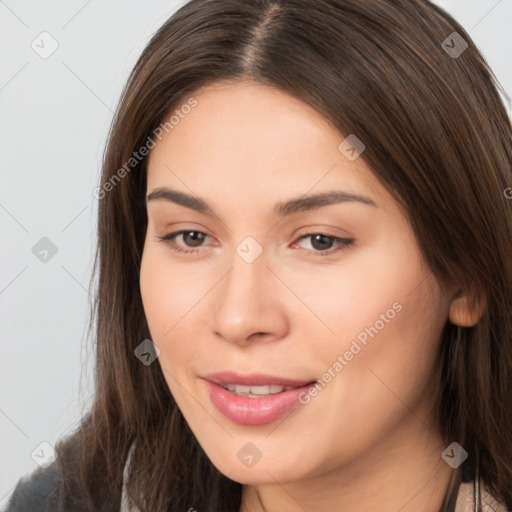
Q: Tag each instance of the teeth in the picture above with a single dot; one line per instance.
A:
(256, 391)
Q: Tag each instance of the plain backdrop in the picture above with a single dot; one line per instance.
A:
(62, 68)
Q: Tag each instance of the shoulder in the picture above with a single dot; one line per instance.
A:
(490, 503)
(39, 491)
(63, 486)
(466, 499)
(55, 488)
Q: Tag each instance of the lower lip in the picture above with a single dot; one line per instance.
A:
(254, 411)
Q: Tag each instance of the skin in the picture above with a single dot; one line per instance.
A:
(367, 440)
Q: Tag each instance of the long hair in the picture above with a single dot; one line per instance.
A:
(438, 138)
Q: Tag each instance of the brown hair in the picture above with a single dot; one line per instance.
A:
(437, 137)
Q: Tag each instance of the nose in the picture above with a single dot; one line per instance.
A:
(248, 303)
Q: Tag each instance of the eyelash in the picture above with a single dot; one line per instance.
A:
(344, 243)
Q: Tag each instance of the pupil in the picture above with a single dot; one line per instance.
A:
(320, 237)
(195, 238)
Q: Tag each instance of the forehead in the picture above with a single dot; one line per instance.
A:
(254, 141)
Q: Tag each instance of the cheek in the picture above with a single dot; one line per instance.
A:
(169, 295)
(346, 298)
(168, 292)
(389, 362)
(154, 297)
(385, 315)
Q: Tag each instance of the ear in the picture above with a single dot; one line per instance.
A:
(465, 310)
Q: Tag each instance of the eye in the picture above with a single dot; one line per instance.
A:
(319, 242)
(196, 239)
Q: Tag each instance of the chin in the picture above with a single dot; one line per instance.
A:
(261, 472)
(261, 476)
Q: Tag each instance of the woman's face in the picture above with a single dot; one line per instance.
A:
(327, 291)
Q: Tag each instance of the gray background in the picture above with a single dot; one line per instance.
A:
(54, 116)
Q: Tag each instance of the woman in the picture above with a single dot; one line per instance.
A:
(304, 270)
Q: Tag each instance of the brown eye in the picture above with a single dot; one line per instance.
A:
(193, 238)
(322, 243)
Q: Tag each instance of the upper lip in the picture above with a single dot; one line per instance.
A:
(254, 379)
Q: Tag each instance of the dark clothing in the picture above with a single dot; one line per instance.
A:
(39, 491)
(44, 491)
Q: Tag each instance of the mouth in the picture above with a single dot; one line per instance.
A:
(256, 391)
(255, 380)
(255, 399)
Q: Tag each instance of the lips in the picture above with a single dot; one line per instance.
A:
(251, 408)
(256, 391)
(255, 379)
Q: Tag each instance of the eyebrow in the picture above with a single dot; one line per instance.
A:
(300, 204)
